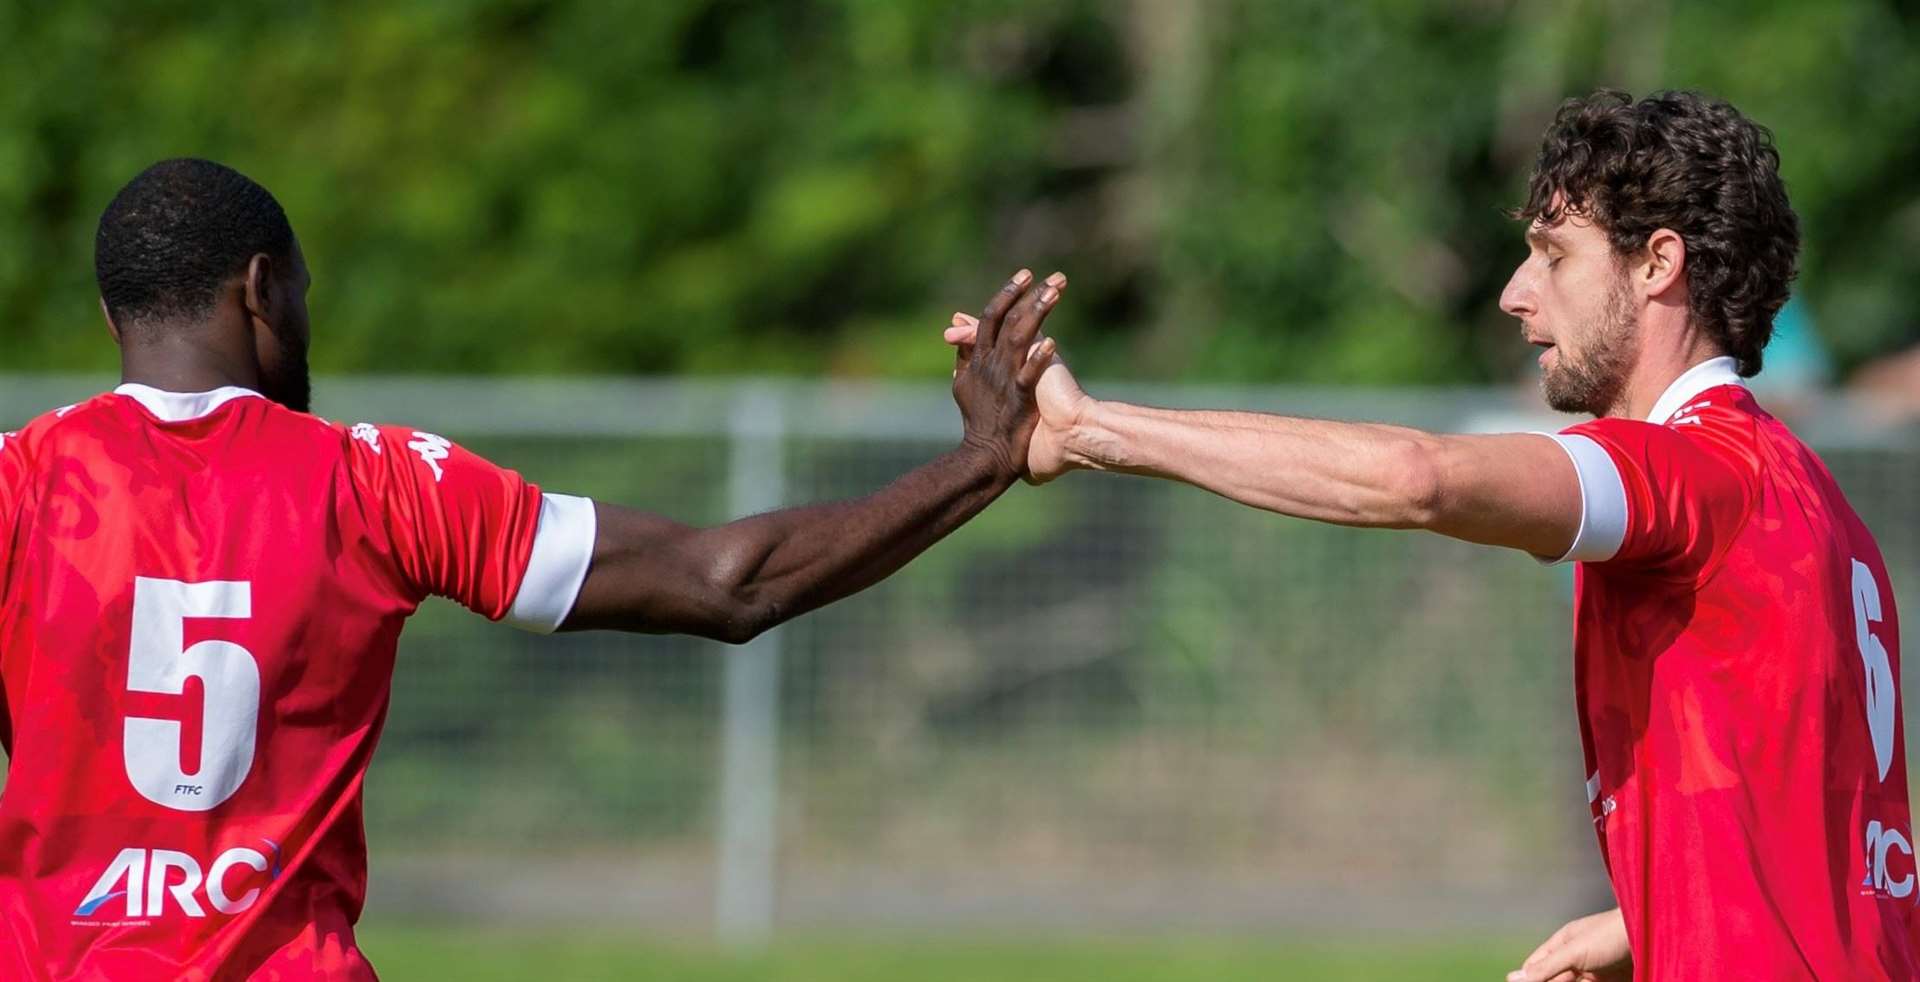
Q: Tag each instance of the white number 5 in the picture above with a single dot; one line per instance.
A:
(1882, 697)
(159, 661)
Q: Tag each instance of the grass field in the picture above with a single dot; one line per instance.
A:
(474, 955)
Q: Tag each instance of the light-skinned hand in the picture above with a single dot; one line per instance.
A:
(1591, 949)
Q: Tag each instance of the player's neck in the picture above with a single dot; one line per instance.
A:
(187, 361)
(1656, 371)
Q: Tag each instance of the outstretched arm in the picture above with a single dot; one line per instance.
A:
(1517, 490)
(653, 575)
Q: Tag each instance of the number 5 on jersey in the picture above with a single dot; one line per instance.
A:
(160, 662)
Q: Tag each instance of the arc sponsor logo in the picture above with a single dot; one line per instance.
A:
(149, 878)
(1883, 842)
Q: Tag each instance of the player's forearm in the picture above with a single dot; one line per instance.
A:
(653, 575)
(783, 564)
(1364, 474)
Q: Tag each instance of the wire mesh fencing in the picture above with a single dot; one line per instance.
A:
(1106, 704)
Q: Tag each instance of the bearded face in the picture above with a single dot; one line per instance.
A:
(1574, 297)
(1586, 370)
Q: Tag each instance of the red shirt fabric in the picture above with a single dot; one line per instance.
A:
(1737, 667)
(198, 616)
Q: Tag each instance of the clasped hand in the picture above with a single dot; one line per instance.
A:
(1061, 402)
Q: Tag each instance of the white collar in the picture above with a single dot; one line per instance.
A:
(1712, 373)
(180, 407)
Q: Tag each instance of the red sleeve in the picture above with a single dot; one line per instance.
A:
(1687, 495)
(13, 467)
(460, 526)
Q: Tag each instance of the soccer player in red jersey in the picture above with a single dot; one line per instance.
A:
(202, 586)
(1735, 643)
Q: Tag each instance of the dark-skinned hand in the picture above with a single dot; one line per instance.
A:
(994, 378)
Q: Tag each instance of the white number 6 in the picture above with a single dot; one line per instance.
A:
(159, 661)
(1882, 697)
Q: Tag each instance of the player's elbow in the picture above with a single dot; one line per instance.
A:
(1416, 482)
(743, 601)
(745, 620)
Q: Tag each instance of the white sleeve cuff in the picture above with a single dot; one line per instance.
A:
(562, 551)
(1603, 501)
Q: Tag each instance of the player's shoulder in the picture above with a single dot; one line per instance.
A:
(272, 430)
(381, 450)
(381, 439)
(27, 441)
(1712, 443)
(1728, 407)
(1721, 419)
(1727, 423)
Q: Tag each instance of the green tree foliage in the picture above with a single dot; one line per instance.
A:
(1306, 190)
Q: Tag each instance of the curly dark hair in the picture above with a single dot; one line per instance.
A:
(176, 232)
(1695, 165)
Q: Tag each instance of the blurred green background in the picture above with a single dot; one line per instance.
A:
(495, 957)
(1246, 748)
(1243, 191)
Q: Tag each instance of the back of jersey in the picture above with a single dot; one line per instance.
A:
(1738, 664)
(202, 599)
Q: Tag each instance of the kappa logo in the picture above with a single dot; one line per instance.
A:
(1689, 414)
(368, 434)
(432, 450)
(143, 877)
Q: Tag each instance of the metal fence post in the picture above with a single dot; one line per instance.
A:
(750, 740)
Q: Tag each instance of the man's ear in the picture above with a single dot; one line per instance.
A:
(258, 292)
(1666, 262)
(113, 330)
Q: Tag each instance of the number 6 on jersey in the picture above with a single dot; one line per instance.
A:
(160, 662)
(1882, 695)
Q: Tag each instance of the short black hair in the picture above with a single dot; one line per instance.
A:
(1696, 165)
(179, 230)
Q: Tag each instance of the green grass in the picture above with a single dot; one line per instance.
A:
(404, 954)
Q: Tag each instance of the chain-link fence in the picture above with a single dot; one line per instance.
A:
(1106, 704)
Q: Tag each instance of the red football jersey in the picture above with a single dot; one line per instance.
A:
(1737, 666)
(200, 597)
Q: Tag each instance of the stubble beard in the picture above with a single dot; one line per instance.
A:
(1593, 383)
(289, 382)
